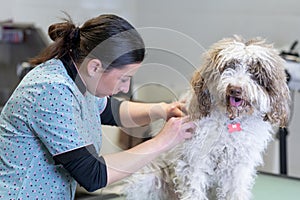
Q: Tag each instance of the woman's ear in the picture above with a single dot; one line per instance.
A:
(94, 67)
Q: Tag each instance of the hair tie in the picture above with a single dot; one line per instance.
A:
(77, 34)
(74, 39)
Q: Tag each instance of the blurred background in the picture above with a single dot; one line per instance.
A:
(176, 33)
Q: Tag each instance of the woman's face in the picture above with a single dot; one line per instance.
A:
(115, 80)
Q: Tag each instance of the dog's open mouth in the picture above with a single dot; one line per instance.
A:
(235, 106)
(235, 101)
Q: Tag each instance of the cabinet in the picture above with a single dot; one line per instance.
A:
(18, 43)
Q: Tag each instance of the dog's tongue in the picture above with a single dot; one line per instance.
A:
(236, 102)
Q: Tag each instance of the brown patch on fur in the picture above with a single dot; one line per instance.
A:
(201, 102)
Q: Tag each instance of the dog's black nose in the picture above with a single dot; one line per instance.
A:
(234, 91)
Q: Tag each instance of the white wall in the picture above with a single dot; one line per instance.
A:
(177, 32)
(208, 21)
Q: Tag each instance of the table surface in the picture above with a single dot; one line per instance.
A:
(275, 187)
(267, 187)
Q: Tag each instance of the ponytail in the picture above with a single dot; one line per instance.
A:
(109, 38)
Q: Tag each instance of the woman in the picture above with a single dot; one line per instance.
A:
(50, 128)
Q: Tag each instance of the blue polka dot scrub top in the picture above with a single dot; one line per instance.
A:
(46, 115)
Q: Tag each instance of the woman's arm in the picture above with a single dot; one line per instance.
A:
(133, 114)
(122, 164)
(93, 171)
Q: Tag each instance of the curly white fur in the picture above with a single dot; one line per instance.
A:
(241, 83)
(222, 159)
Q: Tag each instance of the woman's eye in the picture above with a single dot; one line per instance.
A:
(124, 80)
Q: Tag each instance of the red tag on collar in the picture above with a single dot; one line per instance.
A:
(234, 127)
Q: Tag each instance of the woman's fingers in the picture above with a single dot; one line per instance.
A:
(188, 127)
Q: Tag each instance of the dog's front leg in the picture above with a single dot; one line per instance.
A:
(193, 186)
(238, 186)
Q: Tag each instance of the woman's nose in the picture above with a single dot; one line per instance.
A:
(125, 87)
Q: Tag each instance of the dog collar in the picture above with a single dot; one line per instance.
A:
(234, 127)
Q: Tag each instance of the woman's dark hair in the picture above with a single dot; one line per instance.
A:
(108, 37)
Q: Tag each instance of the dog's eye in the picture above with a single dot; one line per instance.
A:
(229, 65)
(258, 74)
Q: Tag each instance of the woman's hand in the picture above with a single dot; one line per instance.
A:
(175, 109)
(175, 131)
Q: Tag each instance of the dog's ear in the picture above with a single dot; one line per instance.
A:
(279, 95)
(200, 105)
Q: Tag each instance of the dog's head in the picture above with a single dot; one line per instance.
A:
(242, 78)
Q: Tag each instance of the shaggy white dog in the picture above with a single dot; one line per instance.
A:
(238, 100)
